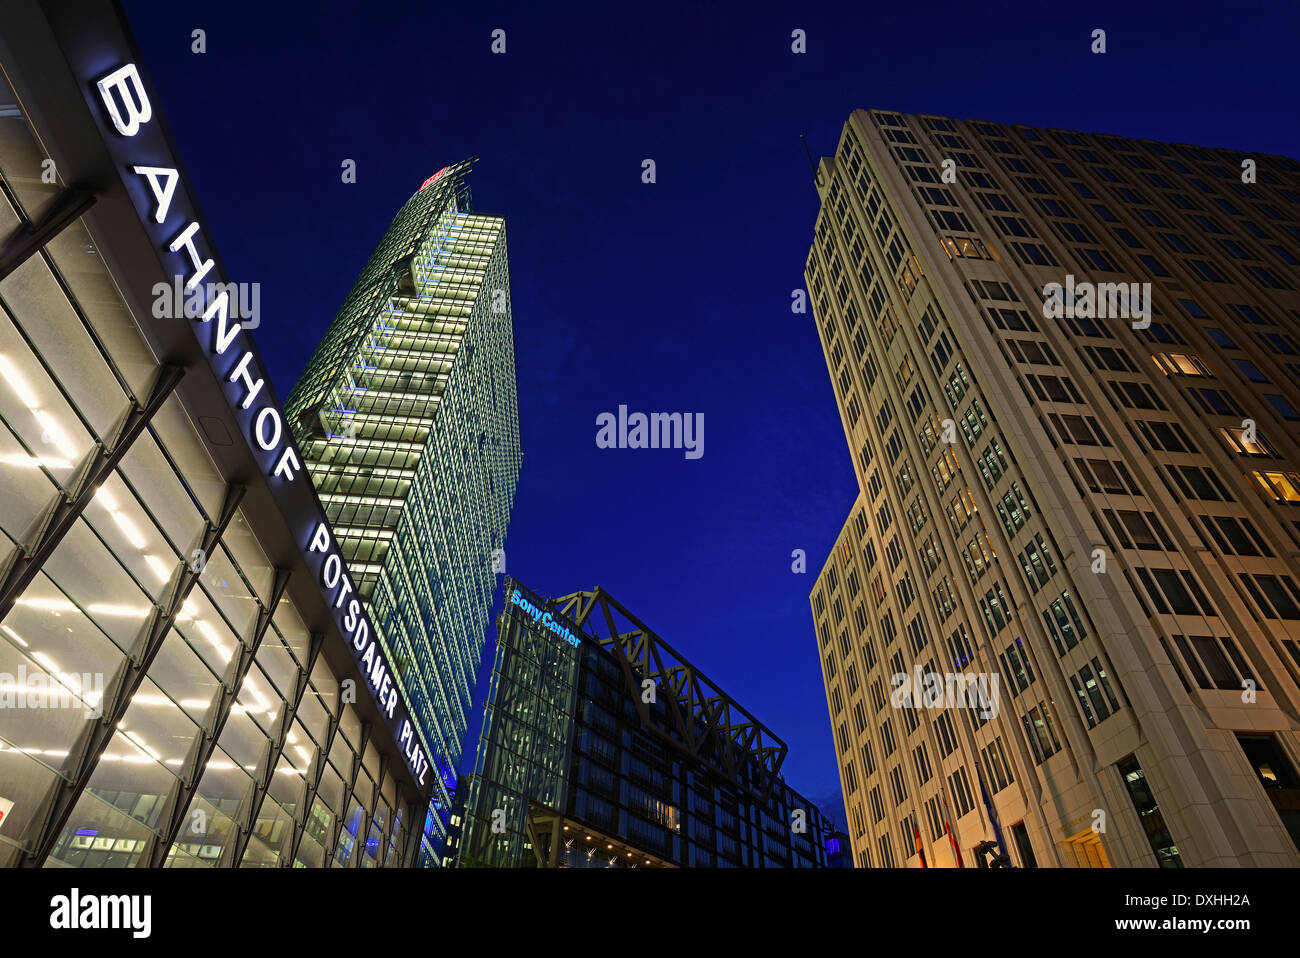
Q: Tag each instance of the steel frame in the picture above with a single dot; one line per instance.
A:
(69, 506)
(233, 853)
(313, 784)
(137, 667)
(30, 238)
(187, 783)
(710, 726)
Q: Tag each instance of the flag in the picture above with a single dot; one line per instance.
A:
(988, 807)
(955, 850)
(947, 827)
(920, 848)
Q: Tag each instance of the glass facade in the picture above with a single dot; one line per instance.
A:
(408, 421)
(572, 773)
(164, 699)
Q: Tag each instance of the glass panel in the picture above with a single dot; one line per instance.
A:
(118, 519)
(34, 409)
(32, 295)
(240, 543)
(278, 665)
(156, 728)
(82, 269)
(99, 836)
(179, 437)
(170, 506)
(94, 586)
(288, 623)
(28, 492)
(28, 784)
(313, 716)
(243, 742)
(19, 152)
(183, 679)
(288, 782)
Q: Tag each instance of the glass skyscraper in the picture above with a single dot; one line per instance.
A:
(603, 747)
(182, 684)
(408, 422)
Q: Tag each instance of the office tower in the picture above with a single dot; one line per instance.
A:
(409, 426)
(173, 651)
(1090, 503)
(603, 748)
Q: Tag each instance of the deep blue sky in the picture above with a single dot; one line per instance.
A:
(666, 297)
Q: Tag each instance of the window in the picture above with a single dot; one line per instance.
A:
(1037, 563)
(1092, 688)
(1133, 395)
(886, 852)
(1153, 822)
(1138, 530)
(960, 247)
(1013, 510)
(1103, 475)
(995, 608)
(1216, 402)
(944, 734)
(1020, 835)
(1275, 595)
(959, 789)
(1237, 440)
(997, 770)
(859, 719)
(1181, 364)
(898, 785)
(1250, 371)
(1279, 486)
(1040, 733)
(1198, 482)
(1236, 536)
(887, 740)
(1016, 670)
(1079, 430)
(1165, 436)
(1283, 407)
(1063, 623)
(991, 463)
(1175, 591)
(959, 649)
(921, 759)
(935, 818)
(1215, 662)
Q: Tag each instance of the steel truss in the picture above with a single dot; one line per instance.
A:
(704, 722)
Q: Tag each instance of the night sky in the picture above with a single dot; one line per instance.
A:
(673, 296)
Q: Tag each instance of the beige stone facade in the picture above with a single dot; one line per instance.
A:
(1088, 507)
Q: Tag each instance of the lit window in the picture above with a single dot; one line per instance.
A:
(1280, 486)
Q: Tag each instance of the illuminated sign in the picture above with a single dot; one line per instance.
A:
(546, 618)
(232, 359)
(433, 179)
